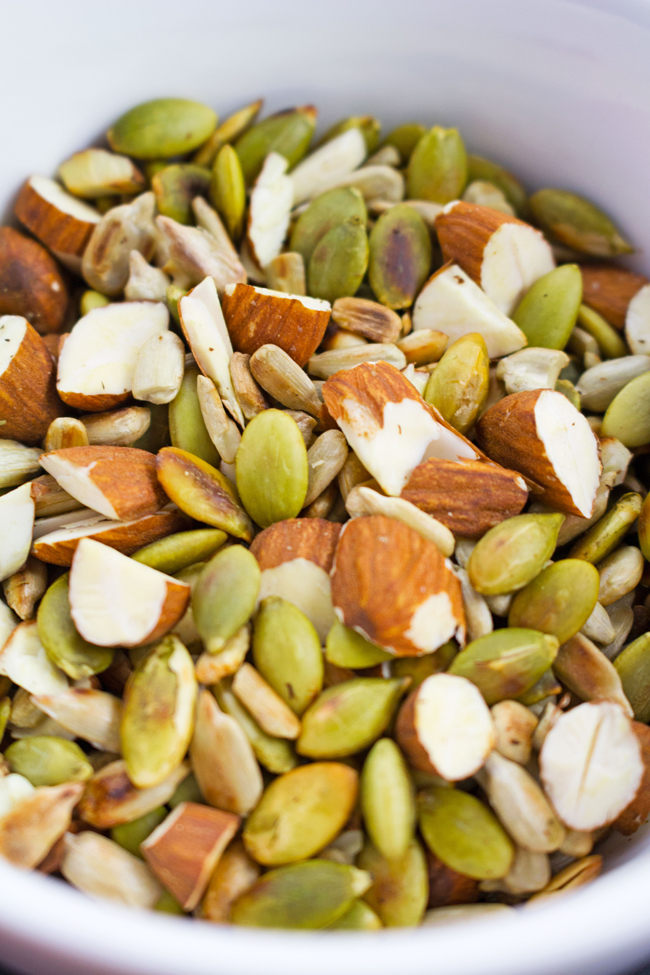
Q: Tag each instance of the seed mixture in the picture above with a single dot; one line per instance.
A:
(323, 525)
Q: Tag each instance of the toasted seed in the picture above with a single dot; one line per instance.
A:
(627, 416)
(228, 190)
(29, 830)
(486, 194)
(346, 648)
(286, 651)
(548, 311)
(599, 385)
(339, 261)
(514, 725)
(506, 663)
(99, 867)
(287, 273)
(65, 647)
(387, 799)
(327, 211)
(110, 798)
(399, 256)
(130, 835)
(65, 431)
(176, 186)
(419, 668)
(400, 888)
(145, 283)
(437, 169)
(234, 874)
(213, 667)
(633, 667)
(609, 341)
(324, 459)
(599, 626)
(86, 713)
(279, 375)
(159, 369)
(620, 573)
(477, 612)
(224, 596)
(17, 462)
(459, 386)
(287, 133)
(485, 169)
(249, 395)
(463, 833)
(275, 754)
(48, 761)
(272, 470)
(234, 126)
(176, 552)
(559, 601)
(325, 364)
(370, 319)
(24, 588)
(309, 895)
(405, 138)
(536, 368)
(577, 223)
(605, 535)
(359, 917)
(222, 430)
(586, 671)
(186, 424)
(513, 553)
(423, 347)
(267, 707)
(575, 875)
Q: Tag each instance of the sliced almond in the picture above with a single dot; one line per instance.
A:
(591, 765)
(331, 162)
(118, 482)
(115, 601)
(120, 428)
(257, 317)
(46, 526)
(97, 172)
(101, 868)
(16, 526)
(195, 253)
(367, 318)
(106, 260)
(31, 282)
(32, 827)
(61, 221)
(445, 728)
(544, 437)
(609, 290)
(297, 538)
(364, 501)
(585, 670)
(159, 369)
(24, 661)
(375, 183)
(89, 714)
(110, 798)
(145, 283)
(28, 398)
(97, 363)
(500, 253)
(305, 584)
(269, 710)
(184, 850)
(269, 210)
(395, 588)
(532, 369)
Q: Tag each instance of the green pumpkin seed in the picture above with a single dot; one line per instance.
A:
(387, 799)
(48, 760)
(130, 835)
(568, 389)
(301, 812)
(462, 832)
(609, 341)
(541, 689)
(628, 415)
(65, 647)
(228, 191)
(275, 754)
(90, 300)
(485, 169)
(405, 138)
(168, 905)
(162, 128)
(186, 426)
(327, 211)
(177, 552)
(287, 652)
(225, 594)
(360, 917)
(548, 311)
(513, 553)
(158, 715)
(346, 648)
(229, 130)
(644, 528)
(339, 261)
(400, 887)
(173, 296)
(308, 896)
(272, 470)
(559, 601)
(506, 663)
(187, 791)
(176, 186)
(577, 223)
(288, 133)
(400, 256)
(368, 125)
(419, 668)
(459, 386)
(5, 713)
(633, 667)
(605, 535)
(348, 717)
(437, 169)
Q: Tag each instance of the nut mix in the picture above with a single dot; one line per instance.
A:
(329, 610)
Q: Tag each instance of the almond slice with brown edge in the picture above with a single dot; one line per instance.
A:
(269, 211)
(111, 798)
(116, 601)
(28, 398)
(543, 436)
(16, 526)
(467, 496)
(118, 482)
(30, 282)
(591, 765)
(61, 221)
(388, 424)
(452, 303)
(205, 330)
(98, 358)
(609, 290)
(395, 588)
(445, 727)
(58, 547)
(503, 255)
(24, 661)
(297, 538)
(257, 317)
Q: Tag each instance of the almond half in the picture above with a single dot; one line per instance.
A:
(30, 282)
(16, 527)
(60, 220)
(395, 588)
(609, 290)
(28, 399)
(297, 538)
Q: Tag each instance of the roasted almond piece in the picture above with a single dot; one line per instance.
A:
(297, 538)
(388, 425)
(32, 827)
(269, 210)
(30, 282)
(110, 798)
(49, 497)
(184, 850)
(199, 252)
(119, 482)
(28, 399)
(609, 290)
(24, 661)
(543, 436)
(16, 526)
(395, 588)
(500, 253)
(257, 317)
(107, 258)
(467, 496)
(60, 220)
(445, 727)
(116, 601)
(98, 359)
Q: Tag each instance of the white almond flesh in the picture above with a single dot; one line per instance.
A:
(417, 377)
(24, 661)
(99, 356)
(159, 369)
(477, 612)
(54, 523)
(375, 183)
(307, 586)
(591, 765)
(16, 526)
(270, 209)
(54, 194)
(570, 446)
(145, 283)
(333, 161)
(454, 725)
(637, 322)
(8, 623)
(514, 257)
(452, 303)
(115, 601)
(315, 304)
(101, 868)
(532, 368)
(13, 789)
(87, 713)
(364, 501)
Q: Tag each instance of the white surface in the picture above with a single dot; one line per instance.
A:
(558, 90)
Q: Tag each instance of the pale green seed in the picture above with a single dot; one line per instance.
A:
(399, 256)
(644, 528)
(419, 668)
(506, 663)
(177, 552)
(5, 713)
(559, 601)
(48, 760)
(548, 311)
(460, 383)
(485, 169)
(187, 791)
(65, 647)
(346, 648)
(173, 295)
(275, 754)
(511, 554)
(225, 594)
(156, 436)
(437, 169)
(271, 467)
(568, 389)
(288, 133)
(609, 341)
(400, 888)
(228, 191)
(287, 652)
(628, 415)
(90, 300)
(229, 130)
(359, 917)
(546, 685)
(603, 537)
(176, 186)
(577, 223)
(368, 125)
(339, 261)
(633, 667)
(168, 905)
(130, 835)
(162, 128)
(388, 799)
(186, 426)
(405, 138)
(327, 211)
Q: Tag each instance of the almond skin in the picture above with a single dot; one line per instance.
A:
(469, 497)
(30, 282)
(297, 538)
(61, 232)
(255, 318)
(637, 812)
(464, 231)
(395, 588)
(28, 397)
(609, 290)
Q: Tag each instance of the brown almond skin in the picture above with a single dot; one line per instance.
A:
(407, 736)
(255, 319)
(59, 231)
(30, 282)
(465, 230)
(447, 886)
(28, 396)
(469, 497)
(297, 538)
(609, 290)
(638, 811)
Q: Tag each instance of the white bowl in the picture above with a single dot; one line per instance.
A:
(557, 90)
